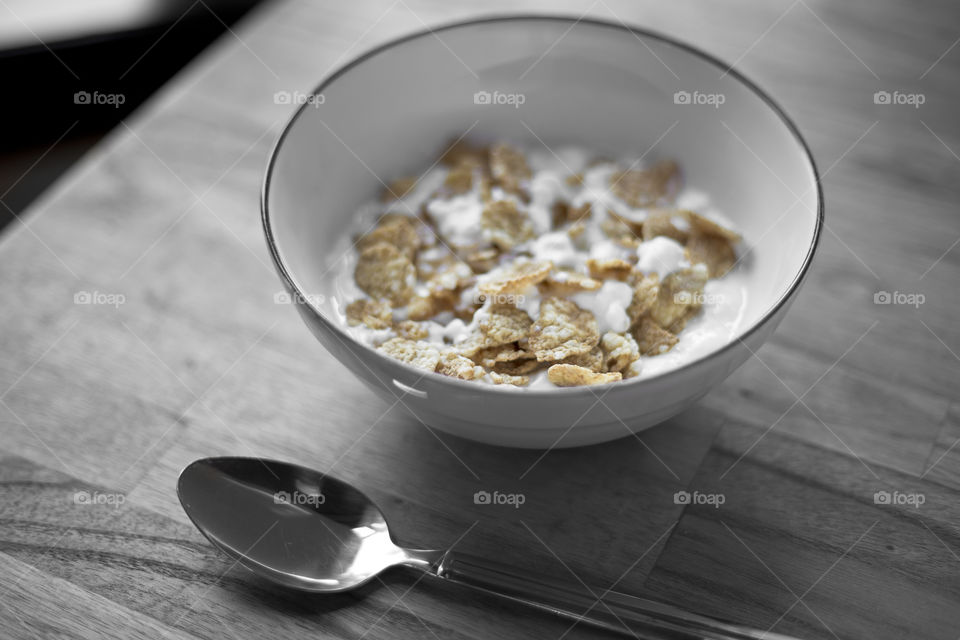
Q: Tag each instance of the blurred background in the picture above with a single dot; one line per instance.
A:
(127, 48)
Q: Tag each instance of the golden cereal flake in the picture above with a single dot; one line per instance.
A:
(574, 180)
(715, 252)
(519, 367)
(481, 260)
(424, 307)
(441, 270)
(395, 229)
(609, 268)
(411, 330)
(619, 351)
(399, 188)
(562, 330)
(515, 277)
(652, 339)
(646, 290)
(455, 365)
(660, 222)
(505, 378)
(570, 375)
(383, 271)
(508, 167)
(617, 229)
(490, 356)
(592, 360)
(506, 225)
(644, 188)
(566, 282)
(708, 227)
(681, 293)
(461, 176)
(421, 355)
(503, 324)
(376, 314)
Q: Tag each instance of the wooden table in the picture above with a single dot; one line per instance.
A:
(850, 398)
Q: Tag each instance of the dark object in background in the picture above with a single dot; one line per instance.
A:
(74, 77)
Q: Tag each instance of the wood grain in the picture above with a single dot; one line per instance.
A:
(848, 399)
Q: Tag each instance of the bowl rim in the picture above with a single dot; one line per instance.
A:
(637, 32)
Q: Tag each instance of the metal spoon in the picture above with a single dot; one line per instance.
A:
(309, 531)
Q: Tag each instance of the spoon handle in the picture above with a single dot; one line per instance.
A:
(606, 609)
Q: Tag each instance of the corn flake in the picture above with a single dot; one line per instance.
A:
(566, 282)
(506, 226)
(681, 293)
(396, 229)
(609, 268)
(562, 330)
(644, 188)
(421, 355)
(455, 365)
(652, 339)
(505, 378)
(715, 252)
(619, 351)
(383, 271)
(508, 167)
(375, 314)
(515, 277)
(411, 330)
(646, 290)
(570, 375)
(660, 222)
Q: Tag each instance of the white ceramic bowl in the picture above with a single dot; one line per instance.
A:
(603, 86)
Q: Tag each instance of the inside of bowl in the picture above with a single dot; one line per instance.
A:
(593, 85)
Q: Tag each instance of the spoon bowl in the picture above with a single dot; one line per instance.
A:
(293, 525)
